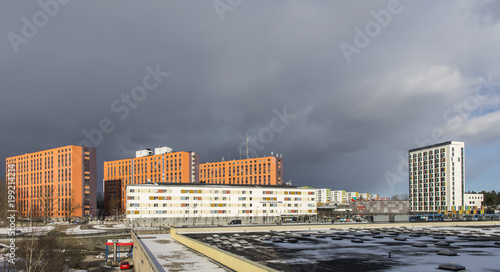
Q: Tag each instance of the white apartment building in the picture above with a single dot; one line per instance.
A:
(374, 196)
(352, 196)
(437, 178)
(339, 196)
(166, 204)
(473, 201)
(364, 196)
(324, 195)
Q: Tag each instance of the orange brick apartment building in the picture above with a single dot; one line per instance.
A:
(56, 183)
(162, 166)
(166, 166)
(254, 171)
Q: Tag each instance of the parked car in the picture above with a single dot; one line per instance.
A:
(235, 222)
(124, 265)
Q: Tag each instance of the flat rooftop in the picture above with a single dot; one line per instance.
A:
(149, 184)
(169, 255)
(377, 248)
(434, 145)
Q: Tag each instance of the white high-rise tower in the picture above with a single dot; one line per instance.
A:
(437, 177)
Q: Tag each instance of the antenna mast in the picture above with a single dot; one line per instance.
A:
(247, 145)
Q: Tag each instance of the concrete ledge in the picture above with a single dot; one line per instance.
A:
(151, 232)
(142, 258)
(228, 259)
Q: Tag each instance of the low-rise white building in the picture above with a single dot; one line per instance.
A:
(474, 201)
(166, 204)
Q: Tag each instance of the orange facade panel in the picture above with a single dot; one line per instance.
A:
(59, 182)
(254, 171)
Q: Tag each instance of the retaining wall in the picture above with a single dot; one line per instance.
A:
(142, 259)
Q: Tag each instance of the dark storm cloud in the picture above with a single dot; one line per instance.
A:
(227, 78)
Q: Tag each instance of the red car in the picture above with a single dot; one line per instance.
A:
(124, 265)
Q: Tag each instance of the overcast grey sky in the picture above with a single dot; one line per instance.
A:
(343, 89)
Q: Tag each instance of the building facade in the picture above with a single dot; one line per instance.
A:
(473, 201)
(254, 171)
(374, 197)
(324, 195)
(205, 204)
(437, 178)
(380, 207)
(352, 196)
(55, 184)
(164, 165)
(339, 196)
(113, 197)
(364, 196)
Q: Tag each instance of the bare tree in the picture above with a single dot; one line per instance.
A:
(404, 197)
(48, 200)
(3, 200)
(115, 207)
(47, 253)
(71, 209)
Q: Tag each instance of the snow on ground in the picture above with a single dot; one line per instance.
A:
(78, 230)
(36, 229)
(176, 257)
(110, 227)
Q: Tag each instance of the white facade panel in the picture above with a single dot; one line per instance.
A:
(162, 150)
(143, 153)
(474, 200)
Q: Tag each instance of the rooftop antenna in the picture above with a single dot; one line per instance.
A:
(247, 145)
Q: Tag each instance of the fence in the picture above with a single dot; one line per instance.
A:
(79, 233)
